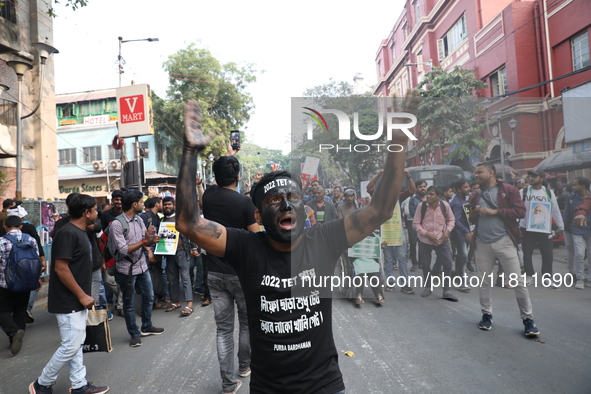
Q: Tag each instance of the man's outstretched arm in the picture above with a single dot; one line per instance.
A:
(361, 223)
(209, 235)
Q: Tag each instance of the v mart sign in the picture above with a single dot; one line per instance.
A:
(135, 110)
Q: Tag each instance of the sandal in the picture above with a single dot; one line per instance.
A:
(206, 303)
(359, 300)
(159, 305)
(186, 311)
(172, 307)
(380, 299)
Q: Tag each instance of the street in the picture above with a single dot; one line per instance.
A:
(410, 344)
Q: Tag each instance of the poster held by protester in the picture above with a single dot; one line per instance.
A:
(169, 239)
(392, 229)
(369, 248)
(539, 219)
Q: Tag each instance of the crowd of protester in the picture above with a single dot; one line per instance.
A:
(470, 226)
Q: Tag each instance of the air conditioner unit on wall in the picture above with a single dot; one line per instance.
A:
(98, 165)
(115, 165)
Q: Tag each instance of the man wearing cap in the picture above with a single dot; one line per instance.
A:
(290, 320)
(537, 232)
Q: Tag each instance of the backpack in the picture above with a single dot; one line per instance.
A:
(23, 268)
(424, 210)
(110, 252)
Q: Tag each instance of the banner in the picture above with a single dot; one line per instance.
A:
(369, 248)
(169, 239)
(392, 229)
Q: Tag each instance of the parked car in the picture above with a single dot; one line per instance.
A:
(438, 175)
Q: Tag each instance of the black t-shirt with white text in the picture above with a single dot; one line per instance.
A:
(293, 348)
(70, 243)
(230, 209)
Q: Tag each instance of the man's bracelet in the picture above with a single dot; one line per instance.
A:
(144, 242)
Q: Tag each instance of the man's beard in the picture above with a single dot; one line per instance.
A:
(539, 219)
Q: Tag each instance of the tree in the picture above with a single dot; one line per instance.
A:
(330, 89)
(75, 4)
(255, 158)
(220, 89)
(449, 111)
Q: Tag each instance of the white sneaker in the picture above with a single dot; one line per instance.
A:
(528, 280)
(580, 284)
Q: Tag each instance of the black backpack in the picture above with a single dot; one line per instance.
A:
(23, 267)
(424, 210)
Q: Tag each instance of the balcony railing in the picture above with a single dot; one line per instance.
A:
(7, 112)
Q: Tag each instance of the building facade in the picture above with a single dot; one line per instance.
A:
(22, 23)
(516, 47)
(88, 162)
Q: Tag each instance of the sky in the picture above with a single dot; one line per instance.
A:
(298, 44)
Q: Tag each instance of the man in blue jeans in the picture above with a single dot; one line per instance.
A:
(395, 255)
(132, 267)
(69, 298)
(225, 205)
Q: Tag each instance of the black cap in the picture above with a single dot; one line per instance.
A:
(537, 172)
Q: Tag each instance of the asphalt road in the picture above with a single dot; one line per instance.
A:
(408, 345)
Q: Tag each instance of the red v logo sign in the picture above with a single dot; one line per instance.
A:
(129, 105)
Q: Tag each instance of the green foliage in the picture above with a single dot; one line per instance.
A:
(4, 181)
(220, 89)
(449, 112)
(75, 4)
(331, 89)
(255, 158)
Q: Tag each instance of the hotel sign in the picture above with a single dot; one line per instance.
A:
(96, 120)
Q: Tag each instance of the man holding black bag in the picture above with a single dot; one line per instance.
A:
(69, 298)
(132, 266)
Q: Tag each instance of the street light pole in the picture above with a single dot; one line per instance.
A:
(499, 115)
(137, 138)
(20, 68)
(513, 123)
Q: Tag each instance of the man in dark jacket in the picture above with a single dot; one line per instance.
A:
(461, 235)
(496, 207)
(582, 211)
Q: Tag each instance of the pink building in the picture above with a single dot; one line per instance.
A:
(512, 45)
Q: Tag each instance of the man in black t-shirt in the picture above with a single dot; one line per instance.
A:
(224, 205)
(69, 297)
(290, 323)
(110, 214)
